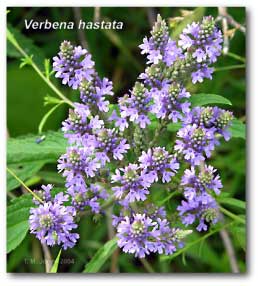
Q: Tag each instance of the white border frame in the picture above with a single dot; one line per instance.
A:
(251, 277)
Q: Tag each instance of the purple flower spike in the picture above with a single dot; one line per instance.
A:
(73, 64)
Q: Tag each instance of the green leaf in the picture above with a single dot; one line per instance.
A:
(52, 177)
(101, 256)
(24, 171)
(238, 129)
(26, 44)
(55, 265)
(232, 202)
(203, 252)
(195, 16)
(25, 149)
(17, 220)
(173, 127)
(239, 234)
(206, 98)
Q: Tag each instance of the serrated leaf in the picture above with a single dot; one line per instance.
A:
(238, 129)
(27, 45)
(25, 149)
(24, 171)
(232, 202)
(101, 256)
(207, 98)
(55, 265)
(17, 220)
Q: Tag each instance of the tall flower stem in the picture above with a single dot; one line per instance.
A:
(25, 187)
(226, 68)
(230, 250)
(147, 265)
(28, 59)
(47, 257)
(157, 133)
(231, 215)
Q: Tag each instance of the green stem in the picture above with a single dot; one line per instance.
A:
(22, 183)
(147, 265)
(175, 193)
(157, 133)
(236, 57)
(231, 215)
(12, 39)
(45, 117)
(233, 67)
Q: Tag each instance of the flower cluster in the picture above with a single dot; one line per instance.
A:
(169, 102)
(109, 157)
(199, 134)
(92, 93)
(133, 184)
(199, 203)
(202, 45)
(159, 47)
(92, 197)
(142, 235)
(158, 163)
(73, 64)
(51, 221)
(137, 106)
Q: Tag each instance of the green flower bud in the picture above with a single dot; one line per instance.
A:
(181, 234)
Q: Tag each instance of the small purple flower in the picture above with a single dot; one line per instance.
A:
(185, 41)
(154, 57)
(135, 236)
(169, 102)
(200, 55)
(108, 144)
(137, 106)
(205, 181)
(158, 163)
(120, 122)
(195, 142)
(197, 76)
(133, 184)
(202, 208)
(78, 160)
(93, 93)
(160, 48)
(145, 47)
